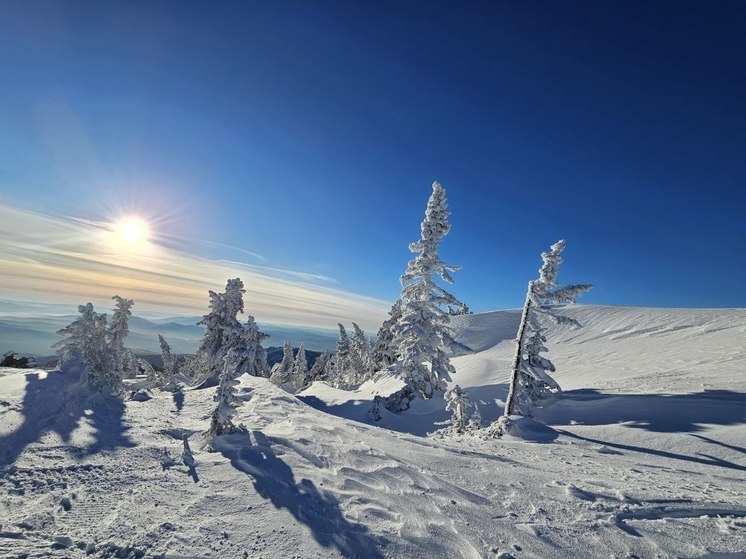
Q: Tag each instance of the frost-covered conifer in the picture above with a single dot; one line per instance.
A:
(255, 360)
(117, 332)
(225, 397)
(338, 366)
(76, 339)
(529, 380)
(347, 368)
(84, 344)
(282, 371)
(220, 323)
(317, 372)
(385, 350)
(167, 381)
(361, 358)
(299, 376)
(421, 334)
(465, 413)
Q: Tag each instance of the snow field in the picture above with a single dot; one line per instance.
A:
(649, 458)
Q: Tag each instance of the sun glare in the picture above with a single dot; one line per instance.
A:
(132, 231)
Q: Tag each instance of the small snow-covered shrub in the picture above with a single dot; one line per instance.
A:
(465, 414)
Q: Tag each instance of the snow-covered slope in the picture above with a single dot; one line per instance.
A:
(649, 459)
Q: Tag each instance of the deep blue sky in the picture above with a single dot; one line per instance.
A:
(310, 132)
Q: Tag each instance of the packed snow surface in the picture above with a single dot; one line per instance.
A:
(643, 455)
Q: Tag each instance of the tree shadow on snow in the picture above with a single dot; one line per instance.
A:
(56, 402)
(274, 480)
(423, 416)
(699, 458)
(178, 396)
(661, 413)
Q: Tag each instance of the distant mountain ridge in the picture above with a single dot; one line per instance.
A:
(34, 335)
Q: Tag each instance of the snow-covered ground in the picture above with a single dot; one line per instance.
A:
(648, 460)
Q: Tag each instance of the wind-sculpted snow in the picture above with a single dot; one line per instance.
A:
(647, 459)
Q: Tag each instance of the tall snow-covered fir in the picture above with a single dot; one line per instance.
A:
(384, 351)
(220, 323)
(283, 370)
(421, 333)
(361, 353)
(299, 375)
(338, 367)
(529, 381)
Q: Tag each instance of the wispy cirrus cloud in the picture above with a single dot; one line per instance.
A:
(64, 259)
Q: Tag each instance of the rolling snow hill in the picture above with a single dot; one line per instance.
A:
(647, 460)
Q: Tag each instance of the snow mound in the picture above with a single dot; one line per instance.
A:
(526, 429)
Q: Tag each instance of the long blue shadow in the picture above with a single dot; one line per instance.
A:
(662, 413)
(55, 402)
(321, 512)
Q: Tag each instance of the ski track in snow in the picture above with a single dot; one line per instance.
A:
(650, 461)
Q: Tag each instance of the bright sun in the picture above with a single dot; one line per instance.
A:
(132, 231)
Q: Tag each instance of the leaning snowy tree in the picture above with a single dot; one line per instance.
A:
(421, 334)
(529, 381)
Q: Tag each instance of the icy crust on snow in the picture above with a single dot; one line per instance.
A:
(649, 459)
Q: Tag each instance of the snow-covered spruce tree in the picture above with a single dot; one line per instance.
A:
(225, 397)
(245, 346)
(283, 370)
(76, 339)
(529, 381)
(421, 334)
(338, 367)
(166, 380)
(384, 351)
(122, 358)
(219, 323)
(465, 413)
(84, 345)
(251, 343)
(361, 358)
(299, 375)
(318, 370)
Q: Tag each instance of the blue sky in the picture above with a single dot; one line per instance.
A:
(308, 133)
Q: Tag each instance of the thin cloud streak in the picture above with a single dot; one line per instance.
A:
(66, 259)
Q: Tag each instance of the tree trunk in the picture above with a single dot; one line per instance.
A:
(510, 402)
